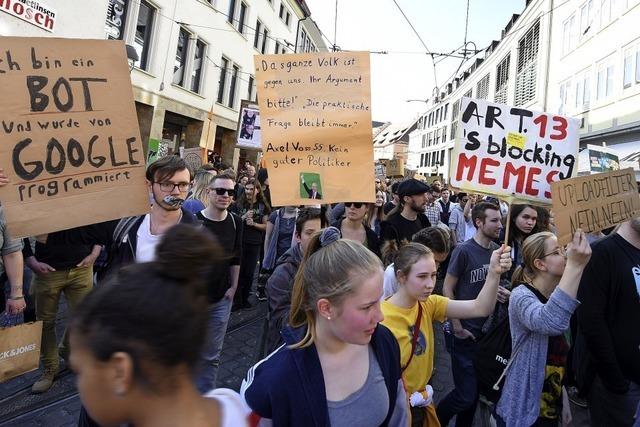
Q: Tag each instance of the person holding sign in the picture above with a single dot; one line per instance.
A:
(340, 366)
(540, 308)
(410, 312)
(608, 342)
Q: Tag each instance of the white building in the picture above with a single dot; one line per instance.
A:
(580, 58)
(391, 140)
(595, 73)
(195, 57)
(511, 70)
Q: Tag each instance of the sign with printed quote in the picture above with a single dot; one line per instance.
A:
(594, 202)
(315, 119)
(511, 152)
(69, 137)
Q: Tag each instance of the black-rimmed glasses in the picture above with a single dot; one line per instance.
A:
(169, 186)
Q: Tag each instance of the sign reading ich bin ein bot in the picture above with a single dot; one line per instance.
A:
(69, 137)
(512, 152)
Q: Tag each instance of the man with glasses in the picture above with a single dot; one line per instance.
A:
(227, 228)
(134, 239)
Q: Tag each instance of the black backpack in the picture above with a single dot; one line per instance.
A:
(494, 356)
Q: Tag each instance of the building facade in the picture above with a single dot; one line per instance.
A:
(194, 57)
(511, 70)
(595, 73)
(579, 58)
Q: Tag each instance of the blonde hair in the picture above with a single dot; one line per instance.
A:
(332, 272)
(201, 181)
(532, 249)
(408, 255)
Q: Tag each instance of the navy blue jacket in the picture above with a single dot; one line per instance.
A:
(288, 386)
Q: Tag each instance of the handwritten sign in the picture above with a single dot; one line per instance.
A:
(594, 202)
(512, 152)
(193, 157)
(316, 126)
(69, 137)
(395, 167)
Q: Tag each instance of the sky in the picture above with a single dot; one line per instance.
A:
(378, 25)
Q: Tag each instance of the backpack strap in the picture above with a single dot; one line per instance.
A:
(414, 338)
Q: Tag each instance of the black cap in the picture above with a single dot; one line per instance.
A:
(394, 187)
(411, 187)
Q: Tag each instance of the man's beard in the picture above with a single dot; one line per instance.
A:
(414, 206)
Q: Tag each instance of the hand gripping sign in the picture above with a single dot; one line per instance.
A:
(512, 153)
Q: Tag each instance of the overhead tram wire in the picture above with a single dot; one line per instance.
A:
(433, 62)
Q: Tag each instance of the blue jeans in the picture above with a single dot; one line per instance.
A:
(461, 401)
(210, 356)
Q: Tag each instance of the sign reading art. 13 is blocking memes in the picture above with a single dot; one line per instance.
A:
(594, 202)
(69, 137)
(315, 118)
(512, 153)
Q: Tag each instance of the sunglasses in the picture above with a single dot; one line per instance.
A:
(221, 191)
(356, 205)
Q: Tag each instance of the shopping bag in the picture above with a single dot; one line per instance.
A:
(19, 349)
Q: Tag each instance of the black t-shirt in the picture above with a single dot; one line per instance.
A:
(229, 235)
(403, 228)
(252, 235)
(388, 207)
(609, 314)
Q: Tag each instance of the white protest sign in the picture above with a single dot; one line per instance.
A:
(511, 152)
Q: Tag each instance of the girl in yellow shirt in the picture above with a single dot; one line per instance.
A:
(413, 304)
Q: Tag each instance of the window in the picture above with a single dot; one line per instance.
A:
(605, 12)
(605, 80)
(444, 134)
(284, 14)
(265, 36)
(469, 94)
(446, 108)
(256, 38)
(638, 65)
(454, 118)
(585, 18)
(627, 79)
(568, 35)
(526, 69)
(482, 91)
(223, 79)
(232, 87)
(251, 88)
(198, 65)
(565, 90)
(277, 49)
(181, 57)
(232, 11)
(502, 82)
(142, 40)
(242, 17)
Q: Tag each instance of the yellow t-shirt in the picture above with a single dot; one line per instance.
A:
(401, 322)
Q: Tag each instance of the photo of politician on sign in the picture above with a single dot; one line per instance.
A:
(310, 186)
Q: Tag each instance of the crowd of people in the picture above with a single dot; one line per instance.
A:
(353, 290)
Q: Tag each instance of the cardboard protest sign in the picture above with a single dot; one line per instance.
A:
(69, 139)
(248, 133)
(193, 157)
(316, 126)
(395, 167)
(511, 152)
(594, 202)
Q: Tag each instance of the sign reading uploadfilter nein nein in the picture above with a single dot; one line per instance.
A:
(69, 137)
(315, 118)
(512, 153)
(594, 202)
